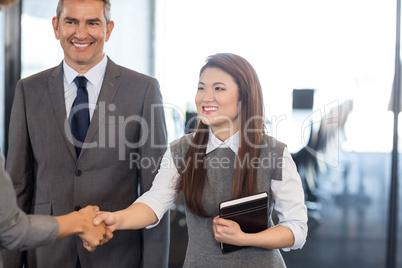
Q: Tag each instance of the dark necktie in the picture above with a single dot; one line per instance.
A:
(79, 115)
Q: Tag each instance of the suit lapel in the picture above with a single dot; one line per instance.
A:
(56, 91)
(108, 91)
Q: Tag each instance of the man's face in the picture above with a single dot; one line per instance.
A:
(82, 31)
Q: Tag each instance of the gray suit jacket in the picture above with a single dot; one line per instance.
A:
(124, 145)
(18, 230)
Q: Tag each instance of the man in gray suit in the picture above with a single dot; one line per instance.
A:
(55, 172)
(21, 231)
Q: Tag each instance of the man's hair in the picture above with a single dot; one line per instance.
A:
(8, 2)
(106, 9)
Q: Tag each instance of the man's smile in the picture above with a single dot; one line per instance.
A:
(81, 45)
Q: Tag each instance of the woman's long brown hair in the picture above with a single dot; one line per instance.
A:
(251, 128)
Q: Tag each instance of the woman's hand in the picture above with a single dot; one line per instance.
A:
(228, 232)
(107, 218)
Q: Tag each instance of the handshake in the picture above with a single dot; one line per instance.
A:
(82, 224)
(96, 228)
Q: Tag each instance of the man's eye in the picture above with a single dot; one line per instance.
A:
(200, 88)
(71, 22)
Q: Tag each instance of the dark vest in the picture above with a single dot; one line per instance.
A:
(203, 250)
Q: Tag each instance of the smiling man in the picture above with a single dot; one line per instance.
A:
(82, 29)
(73, 128)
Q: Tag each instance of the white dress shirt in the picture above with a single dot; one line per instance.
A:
(288, 193)
(95, 78)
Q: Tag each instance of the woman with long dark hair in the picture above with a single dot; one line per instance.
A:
(229, 156)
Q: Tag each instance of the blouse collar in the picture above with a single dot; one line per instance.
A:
(232, 142)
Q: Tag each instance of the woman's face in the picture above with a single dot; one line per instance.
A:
(217, 101)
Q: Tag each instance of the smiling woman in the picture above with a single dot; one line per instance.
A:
(343, 50)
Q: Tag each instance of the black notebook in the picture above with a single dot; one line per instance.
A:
(250, 212)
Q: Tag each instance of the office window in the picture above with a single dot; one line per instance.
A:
(39, 48)
(341, 49)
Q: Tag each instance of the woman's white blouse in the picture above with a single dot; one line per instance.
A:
(288, 193)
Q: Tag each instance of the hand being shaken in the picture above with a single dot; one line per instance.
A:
(107, 218)
(93, 235)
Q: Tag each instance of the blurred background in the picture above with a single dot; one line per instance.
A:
(327, 71)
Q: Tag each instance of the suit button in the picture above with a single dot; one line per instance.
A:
(76, 208)
(78, 173)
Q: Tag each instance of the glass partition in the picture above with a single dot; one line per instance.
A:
(2, 83)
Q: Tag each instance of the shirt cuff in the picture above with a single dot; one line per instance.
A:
(299, 234)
